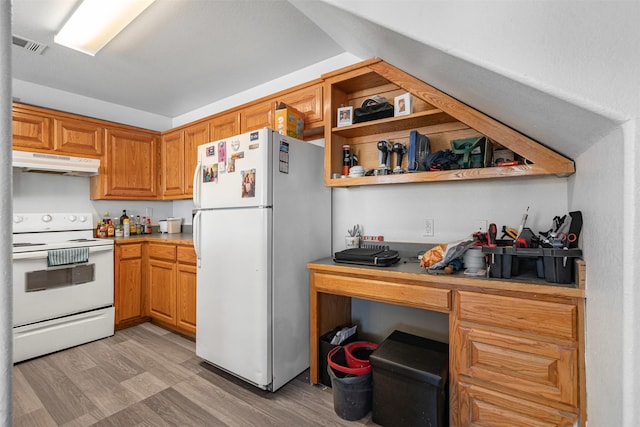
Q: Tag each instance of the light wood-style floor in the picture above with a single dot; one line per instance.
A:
(148, 376)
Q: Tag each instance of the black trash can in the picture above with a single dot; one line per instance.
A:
(352, 392)
(325, 347)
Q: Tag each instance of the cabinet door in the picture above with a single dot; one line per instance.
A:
(224, 126)
(257, 117)
(77, 137)
(186, 298)
(131, 164)
(128, 296)
(31, 131)
(172, 155)
(193, 137)
(484, 407)
(307, 101)
(162, 290)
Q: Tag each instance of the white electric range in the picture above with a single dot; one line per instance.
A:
(62, 283)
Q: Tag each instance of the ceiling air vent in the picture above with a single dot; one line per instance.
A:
(30, 45)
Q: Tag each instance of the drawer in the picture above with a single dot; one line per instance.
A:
(409, 294)
(526, 366)
(130, 251)
(539, 317)
(483, 407)
(162, 251)
(186, 255)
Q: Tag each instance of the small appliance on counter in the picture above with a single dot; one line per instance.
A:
(170, 225)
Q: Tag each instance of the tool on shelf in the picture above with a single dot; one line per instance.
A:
(400, 150)
(384, 147)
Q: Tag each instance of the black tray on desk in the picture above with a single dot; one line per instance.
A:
(367, 256)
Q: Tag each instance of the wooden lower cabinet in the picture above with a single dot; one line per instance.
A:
(129, 290)
(186, 290)
(172, 286)
(162, 290)
(478, 406)
(514, 361)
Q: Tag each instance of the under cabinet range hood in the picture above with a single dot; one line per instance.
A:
(54, 163)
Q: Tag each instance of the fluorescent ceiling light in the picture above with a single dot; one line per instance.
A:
(96, 22)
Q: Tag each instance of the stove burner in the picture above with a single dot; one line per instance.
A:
(18, 245)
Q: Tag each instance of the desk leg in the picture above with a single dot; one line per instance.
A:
(326, 312)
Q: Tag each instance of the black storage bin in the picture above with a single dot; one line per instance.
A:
(506, 262)
(558, 264)
(325, 348)
(527, 261)
(410, 376)
(500, 265)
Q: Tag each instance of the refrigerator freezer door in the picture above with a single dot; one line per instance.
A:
(234, 288)
(234, 172)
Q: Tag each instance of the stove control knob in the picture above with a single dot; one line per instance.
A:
(17, 219)
(73, 218)
(83, 218)
(46, 218)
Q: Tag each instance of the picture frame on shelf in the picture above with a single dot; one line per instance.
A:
(402, 105)
(345, 116)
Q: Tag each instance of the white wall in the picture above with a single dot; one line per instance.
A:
(33, 191)
(398, 211)
(34, 94)
(603, 207)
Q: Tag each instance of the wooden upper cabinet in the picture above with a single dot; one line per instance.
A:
(130, 165)
(194, 136)
(257, 116)
(31, 131)
(225, 126)
(172, 157)
(308, 101)
(78, 137)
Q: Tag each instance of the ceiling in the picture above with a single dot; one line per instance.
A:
(177, 56)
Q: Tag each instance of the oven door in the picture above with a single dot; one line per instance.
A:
(42, 293)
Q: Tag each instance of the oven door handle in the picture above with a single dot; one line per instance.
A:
(45, 254)
(31, 255)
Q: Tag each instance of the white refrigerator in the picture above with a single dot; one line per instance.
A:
(262, 213)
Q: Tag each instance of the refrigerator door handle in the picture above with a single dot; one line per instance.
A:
(197, 180)
(196, 236)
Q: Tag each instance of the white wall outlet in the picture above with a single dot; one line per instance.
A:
(428, 227)
(481, 226)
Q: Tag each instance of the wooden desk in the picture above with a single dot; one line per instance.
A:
(516, 346)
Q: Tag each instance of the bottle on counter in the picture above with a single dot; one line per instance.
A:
(125, 226)
(103, 230)
(98, 229)
(132, 226)
(123, 216)
(138, 225)
(148, 226)
(111, 230)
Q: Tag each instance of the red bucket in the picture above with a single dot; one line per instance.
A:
(336, 360)
(357, 353)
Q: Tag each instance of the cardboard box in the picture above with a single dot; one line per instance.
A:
(289, 121)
